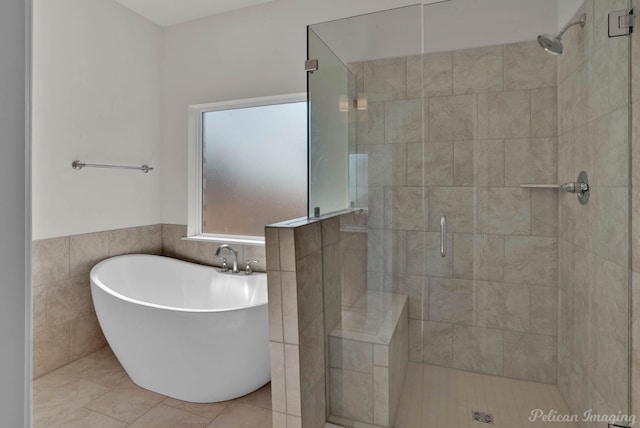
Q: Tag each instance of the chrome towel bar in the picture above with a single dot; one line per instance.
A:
(77, 165)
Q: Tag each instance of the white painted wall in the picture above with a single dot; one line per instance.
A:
(463, 24)
(252, 52)
(170, 12)
(259, 51)
(566, 10)
(15, 302)
(448, 26)
(97, 68)
(109, 86)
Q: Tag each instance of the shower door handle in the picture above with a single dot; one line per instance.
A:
(443, 236)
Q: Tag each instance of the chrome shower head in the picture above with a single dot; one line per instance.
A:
(552, 43)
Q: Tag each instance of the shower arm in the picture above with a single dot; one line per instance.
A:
(581, 21)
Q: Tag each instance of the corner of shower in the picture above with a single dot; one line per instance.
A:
(452, 260)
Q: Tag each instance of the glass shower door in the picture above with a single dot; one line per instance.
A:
(530, 307)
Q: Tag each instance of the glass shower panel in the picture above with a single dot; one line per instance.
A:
(369, 296)
(593, 247)
(330, 105)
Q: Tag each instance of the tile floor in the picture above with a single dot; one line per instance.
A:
(438, 397)
(96, 392)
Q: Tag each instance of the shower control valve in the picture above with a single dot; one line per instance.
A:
(582, 188)
(576, 187)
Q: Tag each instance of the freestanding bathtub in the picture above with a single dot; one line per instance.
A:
(184, 330)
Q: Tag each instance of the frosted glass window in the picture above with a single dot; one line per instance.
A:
(254, 168)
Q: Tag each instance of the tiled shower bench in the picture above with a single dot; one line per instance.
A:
(368, 358)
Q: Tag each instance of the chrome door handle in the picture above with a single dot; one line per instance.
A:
(443, 236)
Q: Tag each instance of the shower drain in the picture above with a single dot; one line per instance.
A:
(485, 418)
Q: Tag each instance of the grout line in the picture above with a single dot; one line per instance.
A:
(105, 414)
(142, 415)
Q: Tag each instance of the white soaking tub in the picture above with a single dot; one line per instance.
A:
(184, 330)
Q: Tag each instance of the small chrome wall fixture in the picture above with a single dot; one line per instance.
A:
(311, 65)
(581, 187)
(77, 165)
(621, 22)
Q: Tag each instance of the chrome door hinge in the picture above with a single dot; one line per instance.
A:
(621, 22)
(311, 65)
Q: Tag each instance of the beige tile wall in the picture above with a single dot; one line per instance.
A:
(455, 134)
(593, 119)
(312, 267)
(203, 252)
(65, 327)
(368, 358)
(296, 324)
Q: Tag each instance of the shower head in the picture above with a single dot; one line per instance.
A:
(552, 43)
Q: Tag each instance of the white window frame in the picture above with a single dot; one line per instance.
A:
(194, 170)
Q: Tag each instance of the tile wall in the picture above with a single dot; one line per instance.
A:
(455, 134)
(368, 358)
(65, 327)
(296, 324)
(312, 267)
(344, 263)
(593, 245)
(203, 252)
(365, 346)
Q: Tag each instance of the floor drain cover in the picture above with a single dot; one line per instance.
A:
(485, 418)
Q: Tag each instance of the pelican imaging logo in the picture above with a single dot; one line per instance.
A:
(614, 420)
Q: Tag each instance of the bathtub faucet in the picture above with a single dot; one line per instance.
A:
(233, 252)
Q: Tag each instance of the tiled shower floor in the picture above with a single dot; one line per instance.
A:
(95, 392)
(437, 397)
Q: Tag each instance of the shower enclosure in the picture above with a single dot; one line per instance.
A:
(462, 282)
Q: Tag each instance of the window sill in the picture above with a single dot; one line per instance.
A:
(226, 239)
